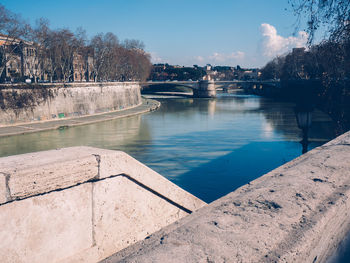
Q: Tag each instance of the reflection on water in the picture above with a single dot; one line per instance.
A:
(104, 135)
(207, 146)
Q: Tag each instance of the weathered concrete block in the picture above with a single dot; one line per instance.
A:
(47, 228)
(125, 213)
(36, 173)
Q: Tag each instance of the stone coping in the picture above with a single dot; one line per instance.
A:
(147, 105)
(298, 212)
(62, 85)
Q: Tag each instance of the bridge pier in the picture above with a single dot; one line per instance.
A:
(206, 89)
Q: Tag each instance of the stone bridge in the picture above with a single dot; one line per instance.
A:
(207, 88)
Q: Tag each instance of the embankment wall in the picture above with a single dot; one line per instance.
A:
(30, 103)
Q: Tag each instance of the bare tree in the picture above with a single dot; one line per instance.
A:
(133, 44)
(12, 29)
(142, 65)
(104, 47)
(63, 46)
(62, 55)
(273, 69)
(35, 52)
(132, 64)
(112, 43)
(80, 55)
(332, 14)
(100, 52)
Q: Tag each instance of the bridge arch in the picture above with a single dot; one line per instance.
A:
(207, 88)
(201, 89)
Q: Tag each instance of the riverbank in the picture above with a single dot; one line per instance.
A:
(53, 101)
(147, 105)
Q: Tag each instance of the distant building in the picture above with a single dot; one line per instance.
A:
(82, 67)
(21, 62)
(159, 67)
(247, 74)
(162, 72)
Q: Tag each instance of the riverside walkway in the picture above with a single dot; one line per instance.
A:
(146, 106)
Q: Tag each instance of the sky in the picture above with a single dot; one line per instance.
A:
(248, 33)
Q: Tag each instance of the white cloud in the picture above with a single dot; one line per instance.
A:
(217, 58)
(238, 55)
(222, 57)
(274, 44)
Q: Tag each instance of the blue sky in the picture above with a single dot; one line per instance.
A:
(184, 32)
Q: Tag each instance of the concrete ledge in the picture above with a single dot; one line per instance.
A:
(32, 174)
(298, 212)
(82, 204)
(65, 85)
(146, 106)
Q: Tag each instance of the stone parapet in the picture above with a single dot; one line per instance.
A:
(82, 204)
(298, 212)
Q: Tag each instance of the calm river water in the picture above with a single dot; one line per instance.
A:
(209, 147)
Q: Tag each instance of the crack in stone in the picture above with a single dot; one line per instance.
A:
(98, 159)
(7, 186)
(96, 178)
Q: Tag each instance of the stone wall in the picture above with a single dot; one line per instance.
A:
(82, 204)
(22, 104)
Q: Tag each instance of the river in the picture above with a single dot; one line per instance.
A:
(209, 147)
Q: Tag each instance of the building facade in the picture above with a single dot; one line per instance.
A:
(22, 60)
